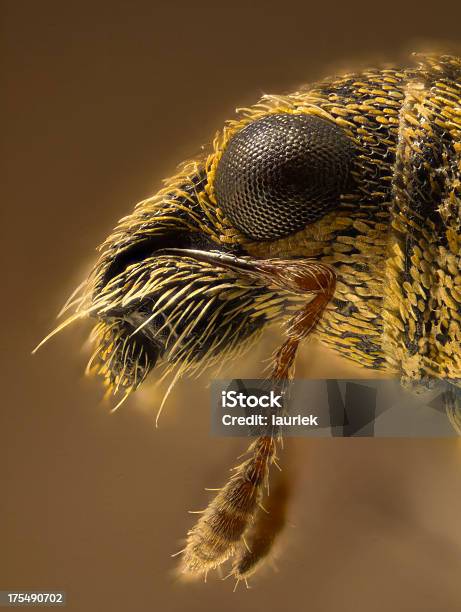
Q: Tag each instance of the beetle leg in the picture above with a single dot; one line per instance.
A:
(222, 528)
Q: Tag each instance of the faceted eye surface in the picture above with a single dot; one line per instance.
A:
(282, 172)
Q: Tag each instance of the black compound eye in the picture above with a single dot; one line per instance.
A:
(282, 172)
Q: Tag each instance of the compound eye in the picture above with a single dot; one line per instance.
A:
(282, 172)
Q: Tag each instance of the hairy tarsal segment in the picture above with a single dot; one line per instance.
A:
(222, 526)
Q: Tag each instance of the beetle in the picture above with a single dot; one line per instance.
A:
(335, 209)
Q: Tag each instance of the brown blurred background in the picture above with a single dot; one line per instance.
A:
(100, 101)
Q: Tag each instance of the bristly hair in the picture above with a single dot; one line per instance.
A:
(195, 310)
(191, 314)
